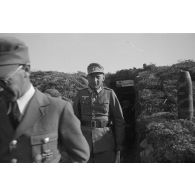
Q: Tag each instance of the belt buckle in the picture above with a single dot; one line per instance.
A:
(93, 123)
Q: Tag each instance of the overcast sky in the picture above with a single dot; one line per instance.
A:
(73, 52)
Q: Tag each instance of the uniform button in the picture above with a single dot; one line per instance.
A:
(14, 160)
(46, 140)
(14, 142)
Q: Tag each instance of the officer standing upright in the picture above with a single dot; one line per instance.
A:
(33, 125)
(101, 117)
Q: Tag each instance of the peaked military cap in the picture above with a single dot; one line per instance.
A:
(13, 51)
(94, 68)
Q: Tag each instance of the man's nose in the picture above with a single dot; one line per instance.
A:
(95, 79)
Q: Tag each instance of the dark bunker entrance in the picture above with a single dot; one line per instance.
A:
(125, 91)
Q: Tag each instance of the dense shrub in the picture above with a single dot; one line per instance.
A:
(172, 140)
(66, 84)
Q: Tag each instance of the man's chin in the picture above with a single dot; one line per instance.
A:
(95, 87)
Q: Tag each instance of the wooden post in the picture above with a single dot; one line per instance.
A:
(185, 96)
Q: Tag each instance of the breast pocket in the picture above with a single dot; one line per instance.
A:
(102, 107)
(44, 147)
(85, 106)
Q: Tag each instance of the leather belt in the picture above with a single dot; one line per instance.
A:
(95, 123)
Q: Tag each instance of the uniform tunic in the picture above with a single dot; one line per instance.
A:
(102, 106)
(48, 124)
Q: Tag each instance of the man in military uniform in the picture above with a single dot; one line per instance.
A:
(101, 117)
(33, 125)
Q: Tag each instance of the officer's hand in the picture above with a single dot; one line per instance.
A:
(118, 156)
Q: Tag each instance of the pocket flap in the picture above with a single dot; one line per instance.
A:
(43, 139)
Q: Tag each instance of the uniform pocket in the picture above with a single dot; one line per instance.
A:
(102, 108)
(85, 106)
(44, 147)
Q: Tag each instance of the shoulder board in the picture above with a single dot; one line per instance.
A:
(106, 88)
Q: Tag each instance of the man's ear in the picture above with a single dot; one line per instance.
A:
(27, 70)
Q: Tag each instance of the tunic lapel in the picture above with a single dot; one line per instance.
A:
(6, 128)
(35, 110)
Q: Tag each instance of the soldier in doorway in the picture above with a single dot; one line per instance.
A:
(101, 117)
